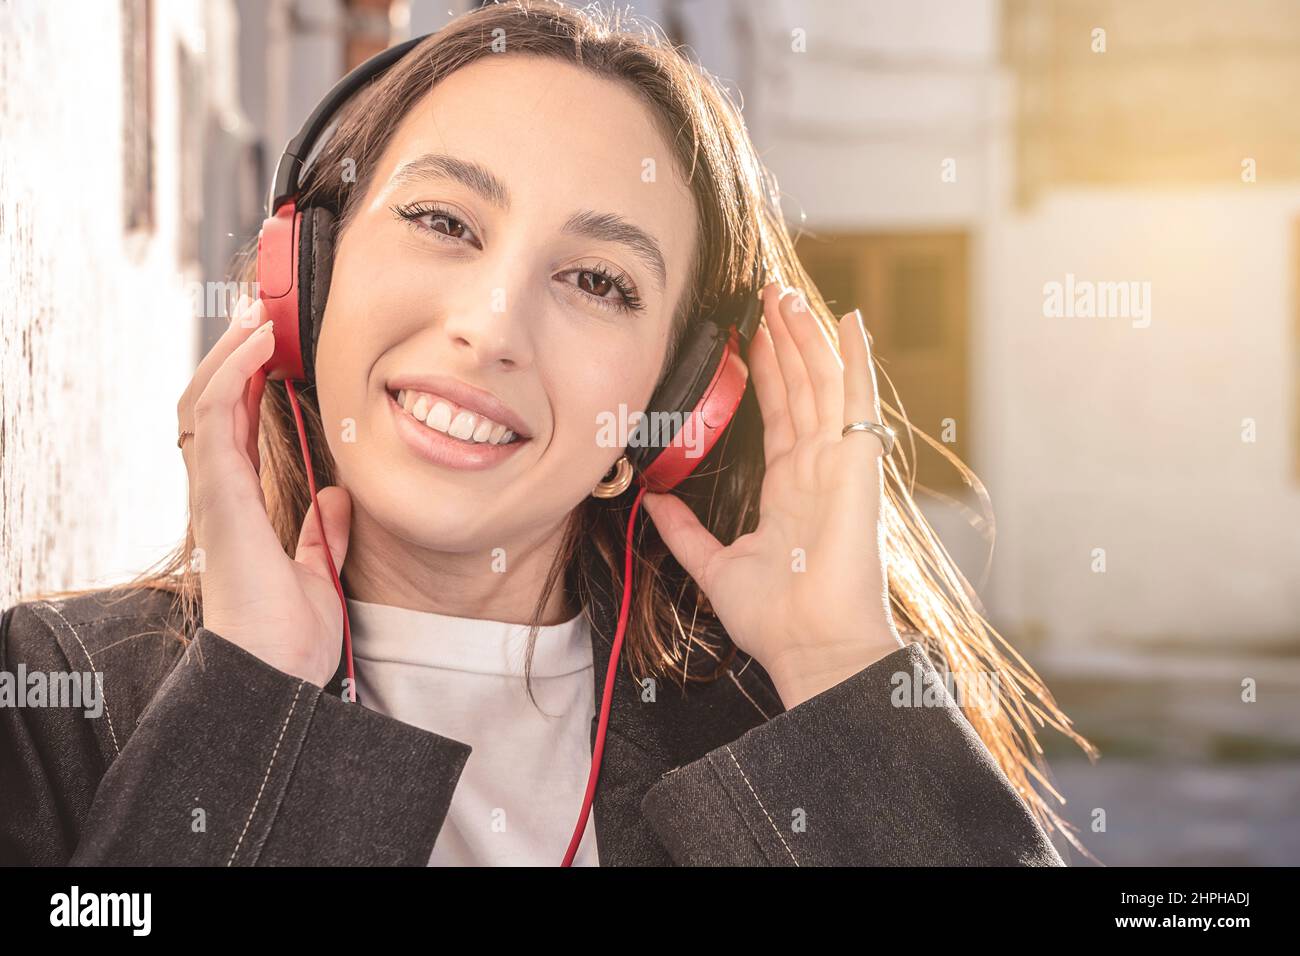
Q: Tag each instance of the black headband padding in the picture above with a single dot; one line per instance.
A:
(694, 368)
(315, 263)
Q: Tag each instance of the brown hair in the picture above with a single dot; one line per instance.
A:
(739, 221)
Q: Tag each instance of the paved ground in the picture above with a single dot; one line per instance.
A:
(1182, 814)
(1189, 773)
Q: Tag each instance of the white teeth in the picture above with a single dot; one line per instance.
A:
(442, 416)
(462, 426)
(439, 417)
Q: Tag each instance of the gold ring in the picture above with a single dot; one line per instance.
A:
(180, 442)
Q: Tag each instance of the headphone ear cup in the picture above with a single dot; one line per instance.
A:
(315, 265)
(698, 400)
(277, 285)
(693, 365)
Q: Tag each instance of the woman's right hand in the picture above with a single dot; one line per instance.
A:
(285, 611)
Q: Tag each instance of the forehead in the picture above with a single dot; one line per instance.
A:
(560, 138)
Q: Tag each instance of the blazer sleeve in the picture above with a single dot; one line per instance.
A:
(233, 763)
(846, 778)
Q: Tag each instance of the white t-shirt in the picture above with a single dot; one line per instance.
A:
(518, 798)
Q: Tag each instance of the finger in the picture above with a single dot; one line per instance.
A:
(219, 454)
(253, 392)
(861, 399)
(778, 430)
(798, 387)
(822, 362)
(861, 402)
(336, 515)
(691, 543)
(246, 310)
(247, 315)
(227, 505)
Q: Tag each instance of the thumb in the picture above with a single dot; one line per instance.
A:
(336, 513)
(692, 544)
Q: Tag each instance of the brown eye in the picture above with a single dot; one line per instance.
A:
(427, 218)
(594, 283)
(592, 286)
(451, 226)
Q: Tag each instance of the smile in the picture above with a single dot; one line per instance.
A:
(448, 435)
(445, 416)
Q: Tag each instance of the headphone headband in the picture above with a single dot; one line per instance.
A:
(285, 185)
(310, 267)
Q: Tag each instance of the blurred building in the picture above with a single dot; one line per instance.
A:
(1144, 468)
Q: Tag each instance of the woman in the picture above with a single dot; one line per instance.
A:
(534, 208)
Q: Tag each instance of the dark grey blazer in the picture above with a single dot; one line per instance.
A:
(208, 756)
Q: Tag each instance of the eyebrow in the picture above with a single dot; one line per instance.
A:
(600, 226)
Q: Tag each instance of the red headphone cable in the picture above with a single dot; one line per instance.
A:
(611, 672)
(320, 524)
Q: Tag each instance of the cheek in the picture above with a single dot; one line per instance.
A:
(346, 351)
(592, 393)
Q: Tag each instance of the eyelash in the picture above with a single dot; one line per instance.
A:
(412, 213)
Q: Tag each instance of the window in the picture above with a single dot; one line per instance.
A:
(912, 290)
(137, 115)
(193, 129)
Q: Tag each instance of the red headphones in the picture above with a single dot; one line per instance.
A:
(695, 403)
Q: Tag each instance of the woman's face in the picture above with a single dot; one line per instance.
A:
(516, 260)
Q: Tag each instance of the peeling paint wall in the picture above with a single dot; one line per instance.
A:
(96, 329)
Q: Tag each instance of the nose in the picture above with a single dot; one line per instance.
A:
(488, 325)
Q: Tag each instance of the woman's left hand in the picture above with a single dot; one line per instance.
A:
(805, 593)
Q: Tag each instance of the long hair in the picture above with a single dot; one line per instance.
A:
(739, 222)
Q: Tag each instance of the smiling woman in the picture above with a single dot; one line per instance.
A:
(504, 239)
(550, 211)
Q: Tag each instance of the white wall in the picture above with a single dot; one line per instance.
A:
(1095, 433)
(97, 338)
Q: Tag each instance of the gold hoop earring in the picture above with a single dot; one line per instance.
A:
(614, 487)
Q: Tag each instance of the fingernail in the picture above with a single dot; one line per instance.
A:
(241, 306)
(254, 315)
(265, 326)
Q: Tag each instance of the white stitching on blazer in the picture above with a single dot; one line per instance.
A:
(111, 732)
(267, 777)
(760, 805)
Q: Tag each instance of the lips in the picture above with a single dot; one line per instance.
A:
(437, 413)
(442, 449)
(455, 397)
